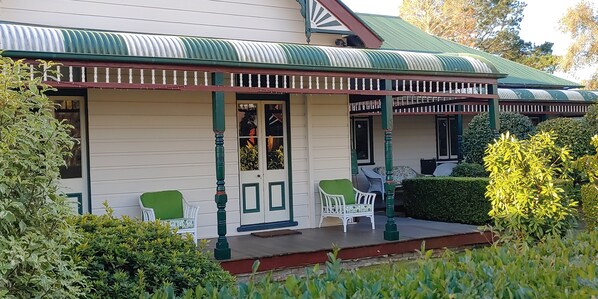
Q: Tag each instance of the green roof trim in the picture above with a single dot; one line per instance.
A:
(400, 35)
(57, 43)
(521, 94)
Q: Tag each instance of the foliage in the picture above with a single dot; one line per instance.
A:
(591, 118)
(447, 199)
(557, 268)
(248, 158)
(573, 133)
(472, 170)
(526, 203)
(34, 233)
(478, 135)
(581, 23)
(489, 25)
(125, 258)
(276, 158)
(589, 205)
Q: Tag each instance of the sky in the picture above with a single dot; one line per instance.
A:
(540, 23)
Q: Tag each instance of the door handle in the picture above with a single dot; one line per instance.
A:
(259, 175)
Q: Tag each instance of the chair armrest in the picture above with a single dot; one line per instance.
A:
(147, 214)
(189, 210)
(364, 197)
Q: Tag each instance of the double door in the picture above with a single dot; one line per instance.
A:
(263, 162)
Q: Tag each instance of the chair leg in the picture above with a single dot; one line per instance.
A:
(345, 221)
(321, 219)
(372, 220)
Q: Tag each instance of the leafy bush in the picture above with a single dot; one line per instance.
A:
(573, 133)
(34, 233)
(591, 118)
(478, 135)
(125, 258)
(447, 199)
(472, 170)
(589, 205)
(557, 268)
(527, 205)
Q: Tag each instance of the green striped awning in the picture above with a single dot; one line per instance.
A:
(547, 94)
(58, 43)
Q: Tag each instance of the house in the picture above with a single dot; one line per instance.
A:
(242, 105)
(429, 132)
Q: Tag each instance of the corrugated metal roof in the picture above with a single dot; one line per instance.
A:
(547, 94)
(234, 52)
(400, 35)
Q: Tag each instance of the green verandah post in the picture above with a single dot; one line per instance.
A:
(390, 231)
(493, 113)
(222, 250)
(459, 119)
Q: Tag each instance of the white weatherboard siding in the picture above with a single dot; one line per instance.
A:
(299, 146)
(144, 141)
(256, 20)
(329, 150)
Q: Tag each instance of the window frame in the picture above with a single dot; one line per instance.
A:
(450, 119)
(370, 139)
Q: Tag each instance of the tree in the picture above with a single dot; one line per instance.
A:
(581, 22)
(489, 25)
(34, 232)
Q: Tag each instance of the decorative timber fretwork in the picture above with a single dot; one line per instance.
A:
(71, 74)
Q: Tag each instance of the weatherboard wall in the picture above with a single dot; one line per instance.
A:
(143, 141)
(258, 20)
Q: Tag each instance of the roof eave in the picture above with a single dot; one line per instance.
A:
(370, 38)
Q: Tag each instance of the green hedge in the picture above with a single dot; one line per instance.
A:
(557, 268)
(125, 258)
(571, 132)
(469, 170)
(448, 199)
(589, 205)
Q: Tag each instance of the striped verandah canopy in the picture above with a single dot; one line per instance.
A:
(525, 101)
(95, 59)
(127, 60)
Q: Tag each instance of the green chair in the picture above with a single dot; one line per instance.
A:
(339, 199)
(170, 206)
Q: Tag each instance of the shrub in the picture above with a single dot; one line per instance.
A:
(573, 133)
(34, 233)
(447, 199)
(478, 135)
(125, 258)
(589, 206)
(591, 118)
(472, 170)
(527, 205)
(557, 268)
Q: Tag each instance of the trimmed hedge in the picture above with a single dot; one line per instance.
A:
(448, 199)
(469, 170)
(125, 258)
(589, 205)
(574, 133)
(478, 135)
(557, 268)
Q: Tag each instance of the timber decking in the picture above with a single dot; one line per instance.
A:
(360, 241)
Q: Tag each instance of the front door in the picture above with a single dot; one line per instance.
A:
(263, 162)
(70, 109)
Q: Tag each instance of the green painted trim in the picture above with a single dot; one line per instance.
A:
(263, 226)
(327, 31)
(287, 102)
(203, 62)
(79, 197)
(218, 104)
(271, 207)
(257, 198)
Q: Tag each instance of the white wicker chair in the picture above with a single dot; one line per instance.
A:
(337, 205)
(171, 207)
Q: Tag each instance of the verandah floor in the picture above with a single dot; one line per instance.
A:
(360, 241)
